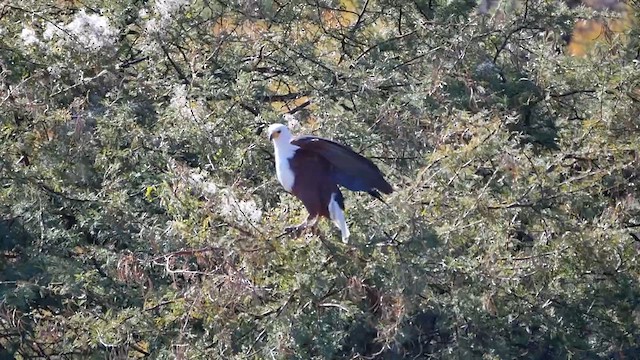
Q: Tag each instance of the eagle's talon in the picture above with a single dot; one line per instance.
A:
(294, 231)
(289, 229)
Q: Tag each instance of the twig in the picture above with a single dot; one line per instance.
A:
(360, 16)
(181, 74)
(188, 252)
(511, 205)
(364, 53)
(537, 255)
(81, 82)
(334, 305)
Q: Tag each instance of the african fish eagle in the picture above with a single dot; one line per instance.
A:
(311, 168)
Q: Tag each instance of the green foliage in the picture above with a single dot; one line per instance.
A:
(140, 215)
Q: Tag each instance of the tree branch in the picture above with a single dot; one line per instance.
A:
(179, 71)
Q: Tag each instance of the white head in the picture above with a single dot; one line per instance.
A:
(279, 134)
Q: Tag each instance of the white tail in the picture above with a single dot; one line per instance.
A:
(337, 216)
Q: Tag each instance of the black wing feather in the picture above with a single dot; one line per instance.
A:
(350, 169)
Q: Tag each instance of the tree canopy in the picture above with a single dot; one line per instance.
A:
(140, 216)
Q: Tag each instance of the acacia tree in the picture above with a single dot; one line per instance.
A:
(141, 216)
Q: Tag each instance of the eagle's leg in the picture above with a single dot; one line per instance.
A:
(310, 221)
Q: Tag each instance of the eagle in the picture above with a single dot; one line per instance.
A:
(312, 168)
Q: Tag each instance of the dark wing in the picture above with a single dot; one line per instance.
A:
(349, 169)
